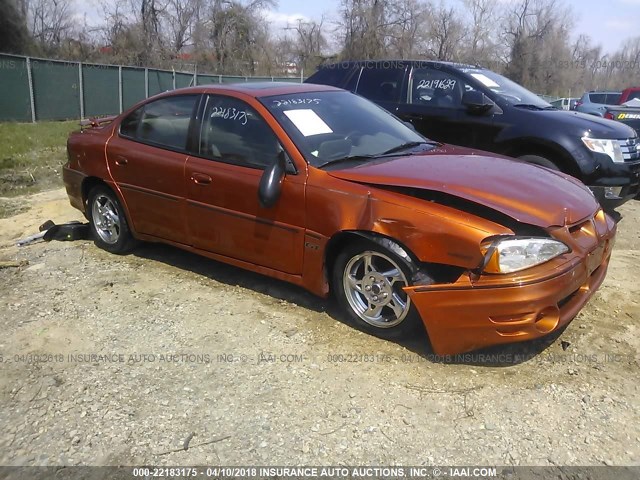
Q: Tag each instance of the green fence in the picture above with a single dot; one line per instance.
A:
(33, 89)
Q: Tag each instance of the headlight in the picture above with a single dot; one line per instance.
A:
(608, 147)
(507, 255)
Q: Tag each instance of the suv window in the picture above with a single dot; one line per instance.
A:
(381, 83)
(165, 122)
(233, 132)
(334, 75)
(437, 88)
(605, 98)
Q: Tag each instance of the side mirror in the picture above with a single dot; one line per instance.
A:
(477, 102)
(271, 182)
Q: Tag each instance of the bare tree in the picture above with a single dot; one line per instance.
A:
(307, 45)
(406, 34)
(181, 17)
(481, 42)
(50, 22)
(234, 31)
(446, 34)
(537, 36)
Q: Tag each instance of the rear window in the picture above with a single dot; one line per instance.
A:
(605, 98)
(165, 122)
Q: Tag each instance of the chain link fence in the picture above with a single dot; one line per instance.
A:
(33, 89)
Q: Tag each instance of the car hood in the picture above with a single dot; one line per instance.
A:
(583, 124)
(527, 193)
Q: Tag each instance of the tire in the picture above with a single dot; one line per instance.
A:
(537, 160)
(374, 303)
(109, 227)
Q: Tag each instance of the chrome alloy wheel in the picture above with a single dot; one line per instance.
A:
(106, 219)
(373, 286)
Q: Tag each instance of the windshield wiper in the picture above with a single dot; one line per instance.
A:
(405, 146)
(349, 158)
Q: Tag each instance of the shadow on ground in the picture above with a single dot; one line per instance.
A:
(498, 356)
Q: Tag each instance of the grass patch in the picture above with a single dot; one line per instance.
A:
(31, 156)
(10, 207)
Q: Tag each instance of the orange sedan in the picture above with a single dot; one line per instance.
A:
(322, 188)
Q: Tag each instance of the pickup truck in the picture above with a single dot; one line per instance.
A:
(474, 107)
(628, 110)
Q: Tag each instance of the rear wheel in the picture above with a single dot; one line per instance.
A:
(368, 282)
(108, 222)
(538, 160)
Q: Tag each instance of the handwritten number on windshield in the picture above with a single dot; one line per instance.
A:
(296, 101)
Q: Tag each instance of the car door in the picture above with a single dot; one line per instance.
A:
(224, 215)
(146, 159)
(435, 108)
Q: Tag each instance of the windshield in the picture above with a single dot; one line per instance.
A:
(334, 126)
(510, 91)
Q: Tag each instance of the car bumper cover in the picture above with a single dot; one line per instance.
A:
(464, 316)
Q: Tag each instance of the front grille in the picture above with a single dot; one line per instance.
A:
(630, 149)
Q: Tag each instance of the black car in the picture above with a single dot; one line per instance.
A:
(474, 107)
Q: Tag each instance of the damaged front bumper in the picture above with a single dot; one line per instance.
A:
(490, 310)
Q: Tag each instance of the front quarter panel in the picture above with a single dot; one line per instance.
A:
(432, 233)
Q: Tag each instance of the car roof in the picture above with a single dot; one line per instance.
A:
(355, 63)
(257, 89)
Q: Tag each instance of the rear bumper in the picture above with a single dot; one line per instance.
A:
(460, 318)
(73, 184)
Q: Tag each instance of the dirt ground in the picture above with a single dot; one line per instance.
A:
(165, 358)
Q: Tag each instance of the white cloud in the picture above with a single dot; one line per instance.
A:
(283, 20)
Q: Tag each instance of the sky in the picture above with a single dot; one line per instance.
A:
(607, 22)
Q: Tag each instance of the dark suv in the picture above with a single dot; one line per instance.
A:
(474, 107)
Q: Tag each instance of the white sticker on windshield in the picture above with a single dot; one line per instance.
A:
(308, 122)
(486, 81)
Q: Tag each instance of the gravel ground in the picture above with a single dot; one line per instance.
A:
(198, 363)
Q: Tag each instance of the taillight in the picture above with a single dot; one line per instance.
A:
(578, 104)
(609, 115)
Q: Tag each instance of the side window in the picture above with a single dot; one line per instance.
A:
(436, 88)
(233, 132)
(129, 125)
(381, 84)
(165, 122)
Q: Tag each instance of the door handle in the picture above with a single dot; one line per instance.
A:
(201, 179)
(120, 160)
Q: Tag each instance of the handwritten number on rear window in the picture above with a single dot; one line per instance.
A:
(230, 113)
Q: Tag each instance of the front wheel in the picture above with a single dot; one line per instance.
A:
(108, 222)
(368, 282)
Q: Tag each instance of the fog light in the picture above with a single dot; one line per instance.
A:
(612, 192)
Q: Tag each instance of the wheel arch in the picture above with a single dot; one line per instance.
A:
(553, 152)
(341, 239)
(90, 183)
